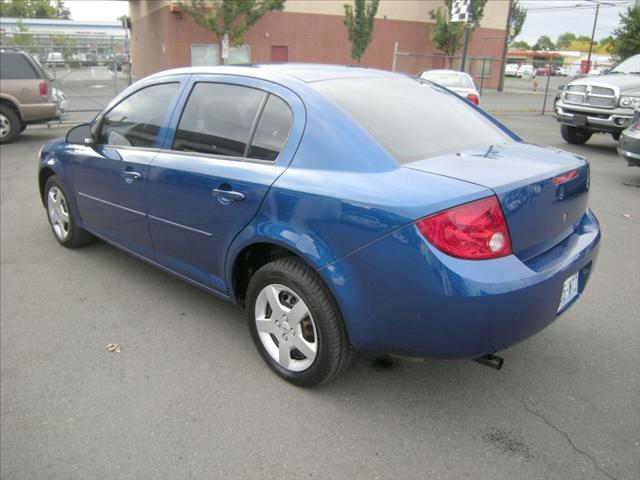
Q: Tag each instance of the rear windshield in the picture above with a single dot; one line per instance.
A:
(14, 66)
(410, 118)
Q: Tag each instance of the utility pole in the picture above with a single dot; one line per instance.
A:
(467, 28)
(505, 48)
(593, 33)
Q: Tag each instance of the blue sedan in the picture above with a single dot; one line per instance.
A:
(345, 209)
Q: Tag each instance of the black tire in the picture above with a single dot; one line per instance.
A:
(574, 135)
(616, 135)
(11, 124)
(76, 236)
(23, 127)
(334, 354)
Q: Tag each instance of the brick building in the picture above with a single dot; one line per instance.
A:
(163, 36)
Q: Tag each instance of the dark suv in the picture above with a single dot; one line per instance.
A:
(25, 94)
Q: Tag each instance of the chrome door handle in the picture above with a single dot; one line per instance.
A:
(227, 197)
(131, 176)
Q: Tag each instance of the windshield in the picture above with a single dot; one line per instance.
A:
(412, 119)
(631, 66)
(450, 80)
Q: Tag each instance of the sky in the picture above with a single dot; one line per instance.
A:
(97, 9)
(545, 17)
(577, 16)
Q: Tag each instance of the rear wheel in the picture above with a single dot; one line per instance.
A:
(63, 225)
(295, 323)
(10, 124)
(574, 135)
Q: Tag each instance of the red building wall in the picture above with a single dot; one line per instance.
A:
(163, 40)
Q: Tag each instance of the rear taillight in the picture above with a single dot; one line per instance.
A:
(473, 99)
(44, 89)
(565, 177)
(473, 231)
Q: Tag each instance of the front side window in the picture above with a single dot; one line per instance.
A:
(218, 119)
(136, 121)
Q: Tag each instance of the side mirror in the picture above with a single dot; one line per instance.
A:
(80, 135)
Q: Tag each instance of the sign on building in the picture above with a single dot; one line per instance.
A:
(460, 10)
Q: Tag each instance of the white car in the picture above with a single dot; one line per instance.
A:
(511, 70)
(58, 97)
(459, 82)
(526, 71)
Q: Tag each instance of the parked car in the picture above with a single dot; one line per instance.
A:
(563, 71)
(55, 59)
(61, 101)
(459, 82)
(604, 104)
(526, 71)
(118, 61)
(546, 71)
(629, 143)
(340, 224)
(511, 70)
(24, 94)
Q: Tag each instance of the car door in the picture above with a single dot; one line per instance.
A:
(111, 176)
(234, 137)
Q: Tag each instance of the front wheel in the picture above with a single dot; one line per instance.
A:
(295, 323)
(574, 135)
(63, 225)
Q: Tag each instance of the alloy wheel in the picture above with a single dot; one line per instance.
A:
(286, 327)
(5, 126)
(58, 213)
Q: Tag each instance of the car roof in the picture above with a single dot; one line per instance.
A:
(305, 72)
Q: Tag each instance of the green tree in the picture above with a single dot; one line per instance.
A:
(359, 19)
(64, 43)
(230, 17)
(518, 16)
(544, 43)
(447, 36)
(520, 45)
(583, 38)
(565, 39)
(627, 36)
(22, 39)
(34, 9)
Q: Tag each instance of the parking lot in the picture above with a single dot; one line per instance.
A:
(189, 397)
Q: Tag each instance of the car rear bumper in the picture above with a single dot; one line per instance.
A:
(39, 112)
(401, 295)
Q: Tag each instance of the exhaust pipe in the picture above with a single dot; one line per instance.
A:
(490, 360)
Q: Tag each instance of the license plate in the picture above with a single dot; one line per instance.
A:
(580, 120)
(569, 290)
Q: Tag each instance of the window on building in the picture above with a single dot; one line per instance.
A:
(483, 67)
(218, 119)
(272, 131)
(203, 55)
(136, 121)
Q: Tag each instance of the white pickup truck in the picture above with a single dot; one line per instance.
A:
(602, 104)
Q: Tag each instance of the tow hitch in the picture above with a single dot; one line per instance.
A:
(491, 360)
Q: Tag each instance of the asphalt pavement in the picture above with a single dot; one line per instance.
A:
(188, 396)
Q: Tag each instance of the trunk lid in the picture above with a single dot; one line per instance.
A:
(539, 211)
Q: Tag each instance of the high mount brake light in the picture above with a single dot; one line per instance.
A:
(473, 231)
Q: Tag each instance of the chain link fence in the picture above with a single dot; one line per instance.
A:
(86, 71)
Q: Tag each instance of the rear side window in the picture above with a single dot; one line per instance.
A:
(411, 119)
(272, 130)
(14, 66)
(136, 121)
(218, 119)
